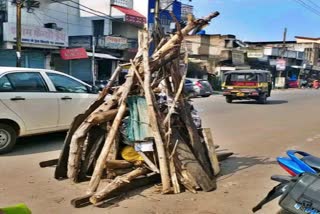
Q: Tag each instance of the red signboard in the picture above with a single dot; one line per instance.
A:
(135, 19)
(73, 53)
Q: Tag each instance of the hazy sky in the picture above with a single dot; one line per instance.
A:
(261, 20)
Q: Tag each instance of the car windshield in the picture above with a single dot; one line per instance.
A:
(245, 77)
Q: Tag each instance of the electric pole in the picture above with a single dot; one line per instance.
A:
(93, 63)
(19, 4)
(156, 14)
(284, 42)
(283, 51)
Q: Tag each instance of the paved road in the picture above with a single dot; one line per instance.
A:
(256, 133)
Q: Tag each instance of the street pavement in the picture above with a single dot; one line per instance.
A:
(256, 133)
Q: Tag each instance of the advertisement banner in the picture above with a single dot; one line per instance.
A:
(281, 65)
(112, 42)
(35, 35)
(73, 53)
(80, 41)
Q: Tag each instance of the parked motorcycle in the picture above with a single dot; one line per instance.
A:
(295, 165)
(303, 182)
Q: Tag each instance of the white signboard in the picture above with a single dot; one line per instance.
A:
(255, 54)
(35, 35)
(281, 65)
(112, 42)
(280, 82)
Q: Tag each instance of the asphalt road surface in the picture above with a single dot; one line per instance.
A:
(257, 134)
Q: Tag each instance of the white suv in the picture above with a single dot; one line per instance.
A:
(36, 101)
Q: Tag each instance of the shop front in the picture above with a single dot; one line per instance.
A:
(37, 44)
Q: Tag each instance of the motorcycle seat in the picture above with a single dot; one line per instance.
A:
(312, 161)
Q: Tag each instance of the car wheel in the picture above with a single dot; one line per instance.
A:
(8, 137)
(262, 99)
(229, 99)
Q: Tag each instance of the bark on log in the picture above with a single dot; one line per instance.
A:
(186, 160)
(223, 156)
(95, 179)
(62, 167)
(118, 164)
(48, 163)
(95, 138)
(113, 173)
(80, 134)
(113, 150)
(164, 170)
(174, 177)
(197, 147)
(176, 39)
(176, 98)
(102, 117)
(134, 184)
(92, 155)
(117, 183)
(61, 170)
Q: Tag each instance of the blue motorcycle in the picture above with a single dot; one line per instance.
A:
(299, 162)
(296, 163)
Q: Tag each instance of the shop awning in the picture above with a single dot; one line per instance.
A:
(103, 56)
(129, 15)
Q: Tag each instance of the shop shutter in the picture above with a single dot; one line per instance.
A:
(81, 69)
(8, 58)
(60, 64)
(34, 59)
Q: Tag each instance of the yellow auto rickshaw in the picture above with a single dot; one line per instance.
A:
(247, 84)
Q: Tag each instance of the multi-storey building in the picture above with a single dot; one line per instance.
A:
(64, 24)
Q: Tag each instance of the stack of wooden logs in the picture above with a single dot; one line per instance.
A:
(183, 155)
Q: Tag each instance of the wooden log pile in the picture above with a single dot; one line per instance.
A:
(181, 155)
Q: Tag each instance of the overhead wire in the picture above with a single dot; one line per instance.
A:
(62, 21)
(104, 16)
(95, 11)
(308, 7)
(313, 3)
(37, 18)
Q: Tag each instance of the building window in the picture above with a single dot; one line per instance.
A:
(186, 10)
(98, 28)
(166, 4)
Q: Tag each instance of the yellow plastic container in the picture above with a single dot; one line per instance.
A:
(129, 154)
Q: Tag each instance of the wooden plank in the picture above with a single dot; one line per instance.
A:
(190, 163)
(162, 156)
(135, 184)
(118, 164)
(174, 177)
(48, 163)
(96, 139)
(119, 181)
(211, 150)
(224, 155)
(62, 166)
(197, 146)
(149, 163)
